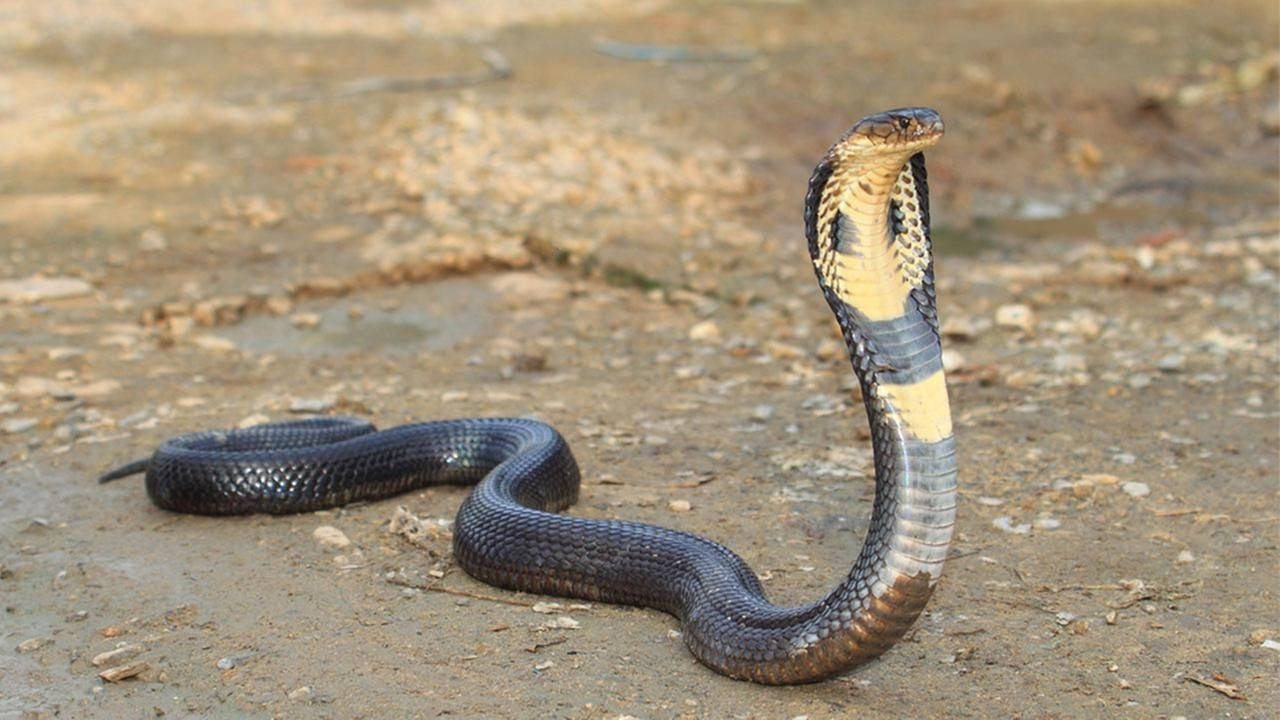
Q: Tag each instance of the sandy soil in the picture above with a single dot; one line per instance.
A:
(268, 209)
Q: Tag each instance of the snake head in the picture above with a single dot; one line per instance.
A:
(904, 130)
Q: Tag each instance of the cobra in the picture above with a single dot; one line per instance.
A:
(867, 225)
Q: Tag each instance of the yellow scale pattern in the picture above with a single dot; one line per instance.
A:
(877, 275)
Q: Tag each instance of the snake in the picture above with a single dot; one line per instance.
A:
(866, 221)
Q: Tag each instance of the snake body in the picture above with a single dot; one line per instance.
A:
(867, 225)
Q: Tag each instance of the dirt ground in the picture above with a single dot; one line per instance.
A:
(588, 211)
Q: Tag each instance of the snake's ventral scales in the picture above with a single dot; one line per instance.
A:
(867, 224)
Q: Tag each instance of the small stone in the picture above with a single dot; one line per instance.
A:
(953, 361)
(762, 413)
(33, 644)
(1005, 523)
(302, 694)
(213, 343)
(14, 426)
(687, 372)
(1185, 557)
(279, 305)
(1016, 316)
(1173, 362)
(113, 657)
(563, 622)
(680, 506)
(1138, 381)
(310, 405)
(545, 665)
(706, 330)
(330, 536)
(1048, 523)
(1124, 458)
(227, 663)
(1136, 489)
(122, 672)
(1111, 617)
(305, 320)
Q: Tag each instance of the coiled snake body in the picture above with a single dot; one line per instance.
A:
(867, 225)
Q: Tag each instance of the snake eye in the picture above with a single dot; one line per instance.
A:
(904, 123)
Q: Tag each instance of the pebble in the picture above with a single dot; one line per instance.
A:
(330, 536)
(1136, 489)
(563, 622)
(122, 672)
(213, 343)
(1138, 381)
(1173, 362)
(706, 330)
(1124, 458)
(1185, 557)
(13, 426)
(305, 320)
(1005, 523)
(1016, 316)
(762, 413)
(113, 657)
(36, 289)
(302, 694)
(953, 361)
(310, 405)
(1048, 523)
(33, 644)
(680, 506)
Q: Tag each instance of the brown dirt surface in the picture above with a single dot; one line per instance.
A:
(588, 211)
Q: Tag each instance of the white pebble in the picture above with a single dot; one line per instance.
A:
(1016, 316)
(1005, 523)
(330, 535)
(1136, 489)
(680, 506)
(1185, 557)
(705, 330)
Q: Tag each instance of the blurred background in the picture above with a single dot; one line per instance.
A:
(217, 213)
